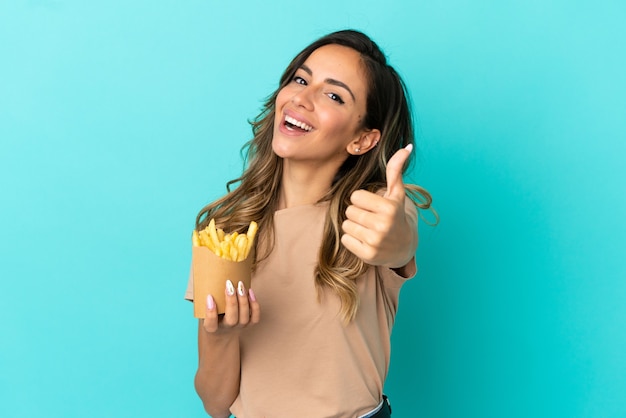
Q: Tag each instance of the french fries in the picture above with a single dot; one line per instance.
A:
(233, 247)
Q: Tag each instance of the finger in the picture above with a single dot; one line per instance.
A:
(368, 200)
(359, 232)
(395, 185)
(231, 312)
(356, 247)
(210, 322)
(244, 306)
(357, 214)
(255, 309)
(369, 209)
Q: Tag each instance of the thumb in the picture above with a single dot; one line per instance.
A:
(395, 185)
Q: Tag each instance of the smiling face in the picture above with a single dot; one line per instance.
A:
(319, 112)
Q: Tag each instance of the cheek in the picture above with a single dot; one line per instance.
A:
(338, 123)
(282, 97)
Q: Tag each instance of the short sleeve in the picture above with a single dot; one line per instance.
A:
(393, 280)
(189, 291)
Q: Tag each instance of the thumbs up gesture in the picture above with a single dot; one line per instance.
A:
(378, 230)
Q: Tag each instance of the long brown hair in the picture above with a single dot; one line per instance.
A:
(255, 196)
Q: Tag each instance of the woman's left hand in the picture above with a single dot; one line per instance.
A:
(378, 229)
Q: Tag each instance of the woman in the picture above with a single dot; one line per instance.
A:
(337, 238)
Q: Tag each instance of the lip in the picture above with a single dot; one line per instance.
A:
(297, 116)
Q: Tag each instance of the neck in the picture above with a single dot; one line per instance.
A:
(303, 184)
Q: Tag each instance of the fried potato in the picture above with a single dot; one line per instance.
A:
(233, 246)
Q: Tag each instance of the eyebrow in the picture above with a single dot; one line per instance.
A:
(330, 81)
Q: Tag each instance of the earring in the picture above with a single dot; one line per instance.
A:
(357, 150)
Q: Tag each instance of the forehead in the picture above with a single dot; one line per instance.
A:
(339, 63)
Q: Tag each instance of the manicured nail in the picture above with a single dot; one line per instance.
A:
(230, 289)
(240, 289)
(252, 295)
(210, 303)
(409, 147)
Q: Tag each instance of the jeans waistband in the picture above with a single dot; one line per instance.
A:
(383, 410)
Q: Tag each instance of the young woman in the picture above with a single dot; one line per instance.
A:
(337, 239)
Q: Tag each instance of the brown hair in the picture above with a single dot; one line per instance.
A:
(256, 195)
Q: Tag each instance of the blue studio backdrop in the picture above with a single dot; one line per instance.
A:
(119, 120)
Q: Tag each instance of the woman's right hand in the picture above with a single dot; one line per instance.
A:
(242, 309)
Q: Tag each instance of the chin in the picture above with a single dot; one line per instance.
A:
(279, 150)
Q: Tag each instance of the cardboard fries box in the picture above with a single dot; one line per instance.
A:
(210, 273)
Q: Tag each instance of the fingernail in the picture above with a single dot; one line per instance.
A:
(230, 289)
(210, 303)
(252, 295)
(240, 289)
(409, 147)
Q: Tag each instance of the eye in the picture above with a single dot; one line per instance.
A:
(299, 80)
(336, 98)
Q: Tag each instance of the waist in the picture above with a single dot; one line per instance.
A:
(383, 410)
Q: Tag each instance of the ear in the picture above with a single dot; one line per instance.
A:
(366, 140)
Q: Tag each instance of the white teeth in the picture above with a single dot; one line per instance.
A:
(299, 124)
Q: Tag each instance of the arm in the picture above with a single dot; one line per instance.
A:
(217, 378)
(219, 363)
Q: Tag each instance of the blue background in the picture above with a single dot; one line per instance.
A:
(119, 120)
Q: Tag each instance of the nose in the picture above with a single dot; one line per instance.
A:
(303, 98)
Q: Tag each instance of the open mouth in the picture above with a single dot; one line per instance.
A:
(294, 124)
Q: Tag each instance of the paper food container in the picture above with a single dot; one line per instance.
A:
(210, 273)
